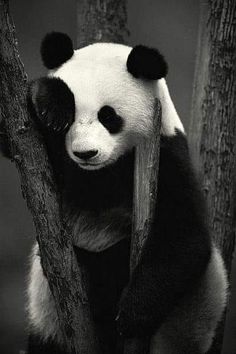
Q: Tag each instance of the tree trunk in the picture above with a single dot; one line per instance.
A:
(212, 132)
(38, 188)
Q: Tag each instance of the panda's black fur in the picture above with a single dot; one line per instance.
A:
(147, 63)
(179, 250)
(56, 49)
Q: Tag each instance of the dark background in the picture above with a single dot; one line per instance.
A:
(168, 25)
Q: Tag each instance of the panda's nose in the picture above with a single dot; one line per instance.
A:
(85, 155)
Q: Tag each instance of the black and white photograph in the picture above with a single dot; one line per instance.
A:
(117, 176)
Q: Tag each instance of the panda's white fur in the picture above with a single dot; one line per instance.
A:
(96, 79)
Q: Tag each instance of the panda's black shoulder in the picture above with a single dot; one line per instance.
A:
(177, 176)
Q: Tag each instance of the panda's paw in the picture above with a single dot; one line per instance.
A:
(51, 121)
(52, 104)
(133, 319)
(131, 325)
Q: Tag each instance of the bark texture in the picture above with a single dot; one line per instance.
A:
(101, 21)
(212, 131)
(38, 187)
(145, 194)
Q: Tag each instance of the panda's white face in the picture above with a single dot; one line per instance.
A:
(112, 108)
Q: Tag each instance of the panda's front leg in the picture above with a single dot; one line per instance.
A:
(169, 270)
(137, 314)
(178, 248)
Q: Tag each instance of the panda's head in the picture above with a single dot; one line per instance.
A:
(101, 97)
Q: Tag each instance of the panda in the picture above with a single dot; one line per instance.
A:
(92, 109)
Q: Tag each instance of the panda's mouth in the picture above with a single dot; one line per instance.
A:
(90, 166)
(95, 166)
(89, 163)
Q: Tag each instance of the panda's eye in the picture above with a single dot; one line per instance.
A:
(110, 119)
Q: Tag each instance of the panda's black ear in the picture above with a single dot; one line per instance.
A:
(146, 63)
(56, 49)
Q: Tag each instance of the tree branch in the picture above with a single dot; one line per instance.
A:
(38, 187)
(145, 197)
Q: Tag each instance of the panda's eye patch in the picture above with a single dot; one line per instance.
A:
(110, 119)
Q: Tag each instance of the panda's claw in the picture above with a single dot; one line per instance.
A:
(49, 124)
(54, 126)
(66, 126)
(59, 129)
(43, 114)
